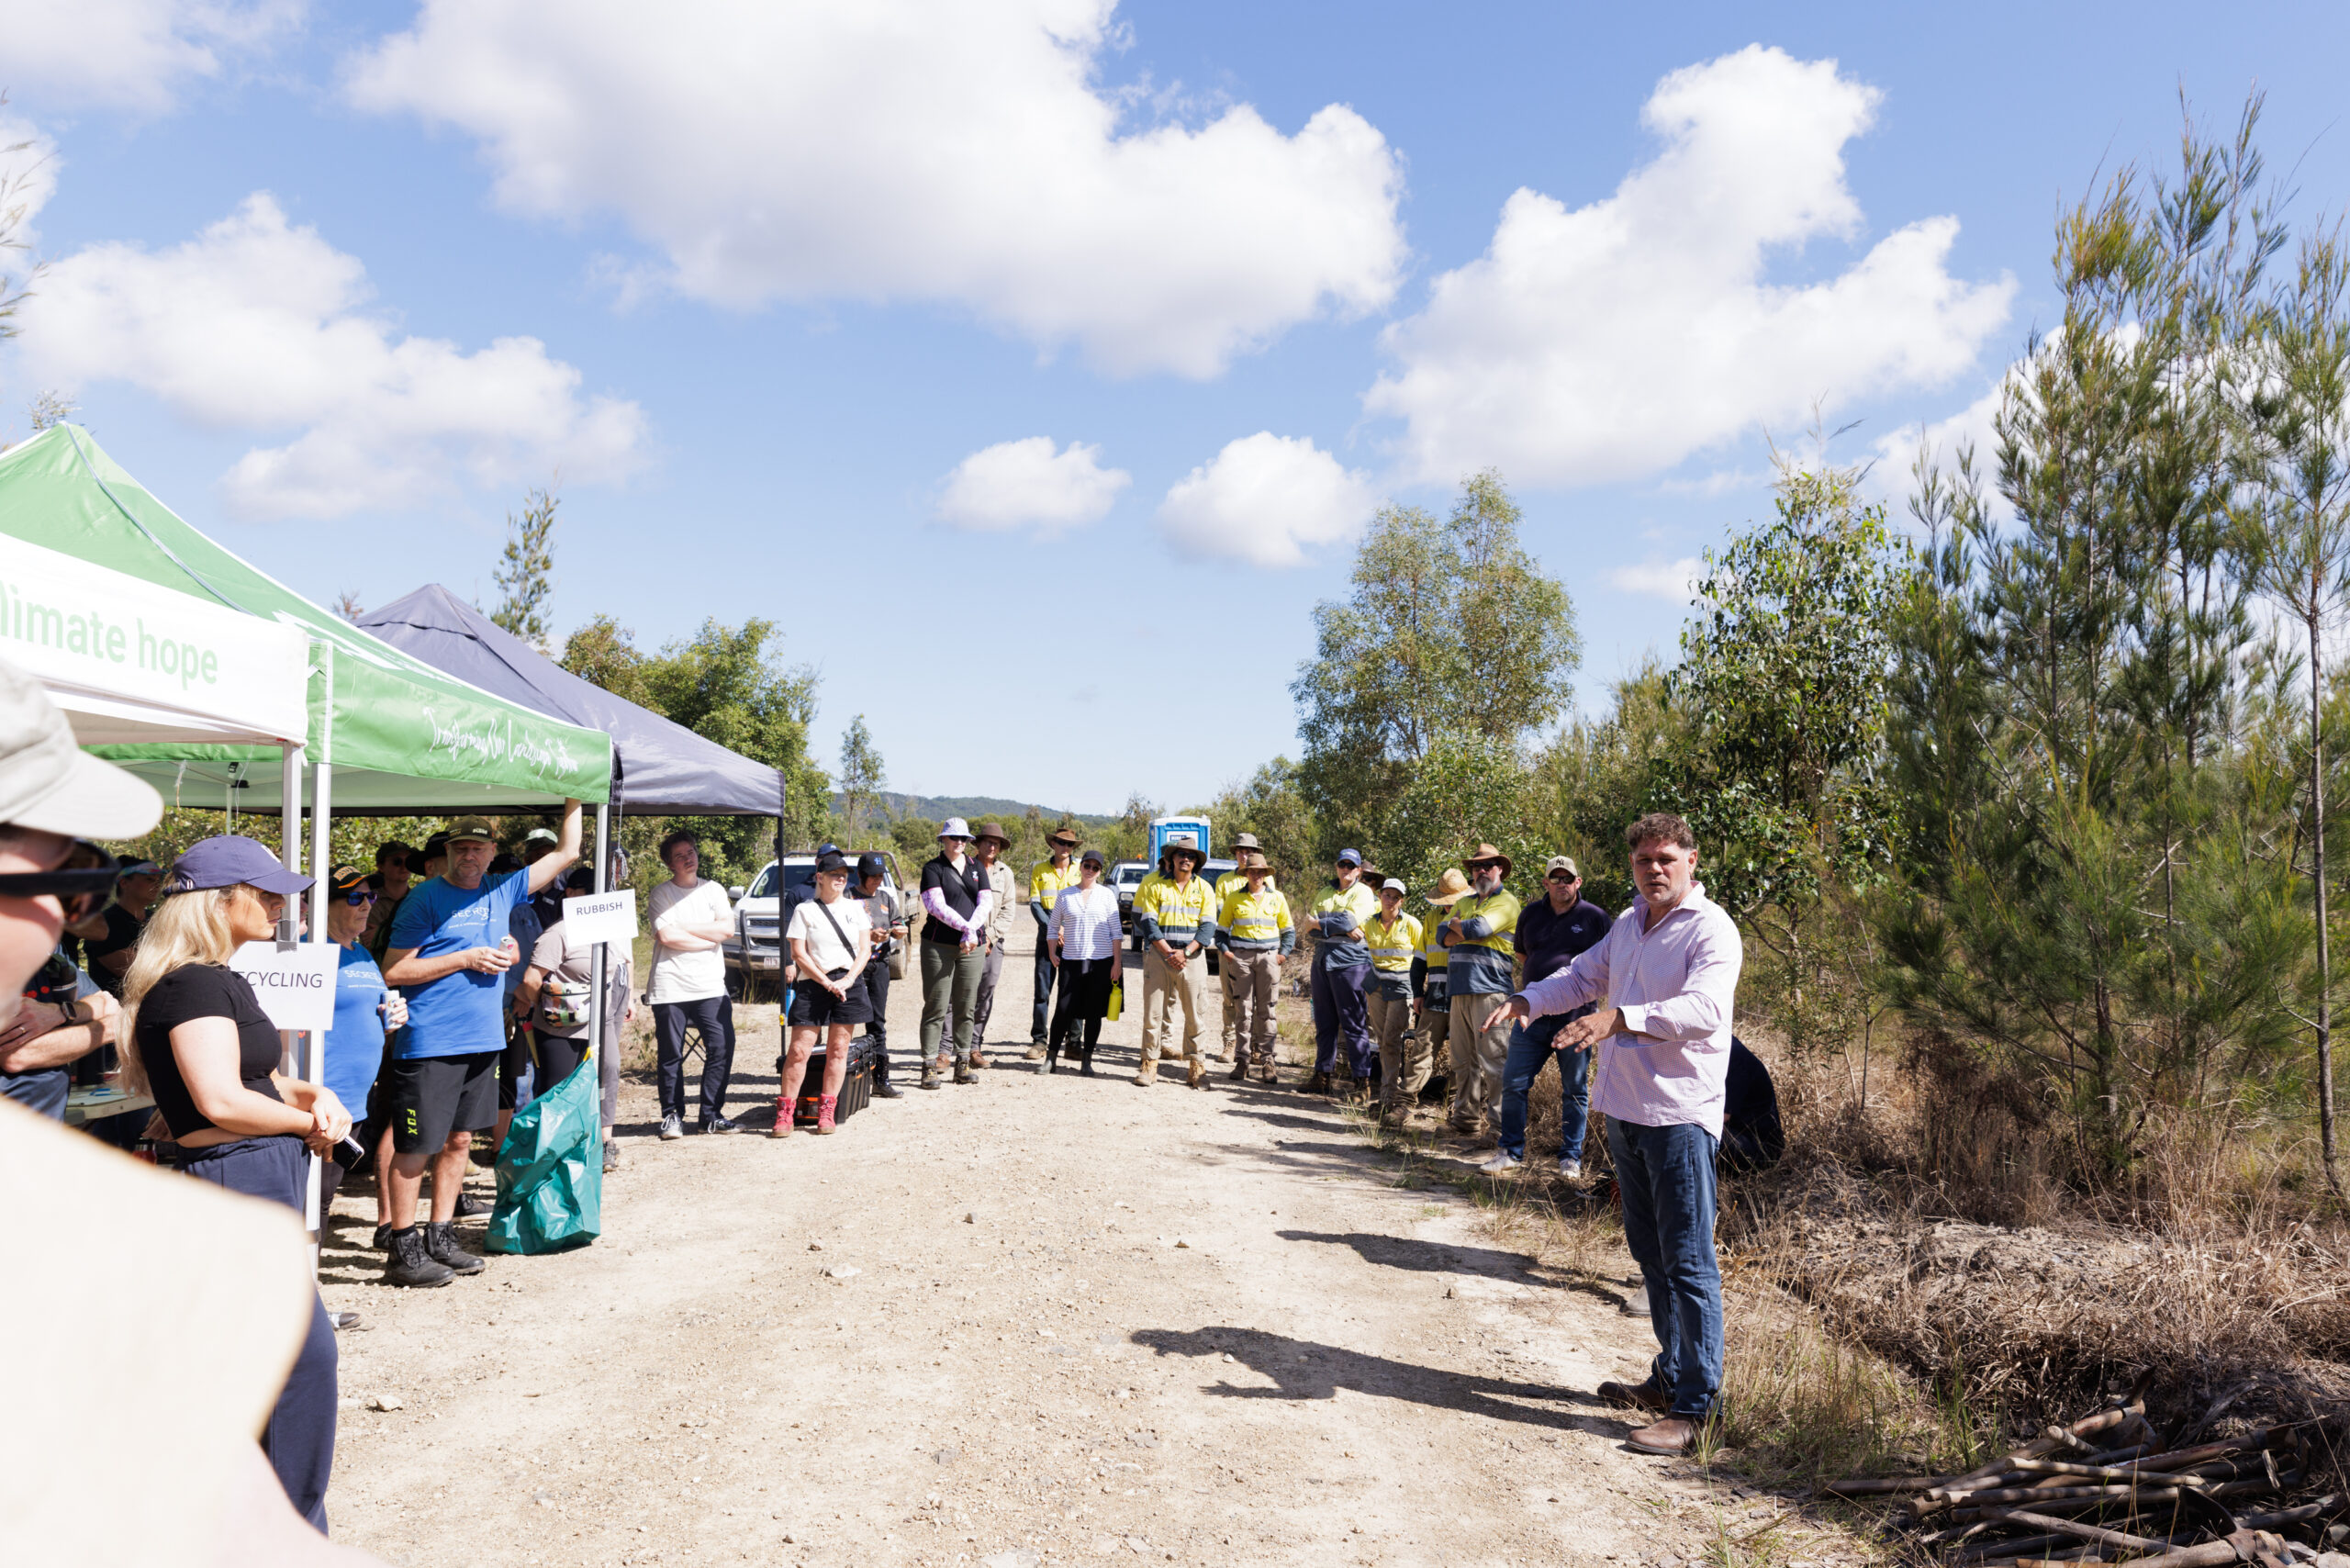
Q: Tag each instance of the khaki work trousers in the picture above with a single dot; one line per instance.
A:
(1166, 991)
(1253, 981)
(1404, 1061)
(1480, 1040)
(1233, 1037)
(1436, 1027)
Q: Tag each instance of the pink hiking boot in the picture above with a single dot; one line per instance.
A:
(782, 1118)
(824, 1104)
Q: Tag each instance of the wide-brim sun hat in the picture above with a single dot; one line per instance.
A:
(1183, 843)
(992, 830)
(1485, 855)
(1450, 888)
(955, 827)
(48, 784)
(1063, 837)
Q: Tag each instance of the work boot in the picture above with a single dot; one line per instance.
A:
(825, 1108)
(408, 1263)
(963, 1073)
(884, 1090)
(1673, 1434)
(946, 1064)
(441, 1241)
(1148, 1073)
(1269, 1073)
(1317, 1084)
(782, 1128)
(1240, 1071)
(1647, 1396)
(1198, 1076)
(1085, 1068)
(930, 1075)
(1035, 1050)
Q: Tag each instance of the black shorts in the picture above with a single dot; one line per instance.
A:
(435, 1096)
(812, 1004)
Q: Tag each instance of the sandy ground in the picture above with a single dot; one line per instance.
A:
(1035, 1320)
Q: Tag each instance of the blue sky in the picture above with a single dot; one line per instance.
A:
(1087, 336)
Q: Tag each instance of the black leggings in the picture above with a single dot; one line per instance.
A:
(557, 1056)
(1085, 997)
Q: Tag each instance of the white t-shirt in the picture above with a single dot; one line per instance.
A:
(809, 926)
(688, 977)
(1087, 923)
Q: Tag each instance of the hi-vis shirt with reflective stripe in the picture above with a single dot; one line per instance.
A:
(1483, 965)
(1164, 911)
(1232, 882)
(1338, 943)
(1255, 920)
(1046, 883)
(1394, 943)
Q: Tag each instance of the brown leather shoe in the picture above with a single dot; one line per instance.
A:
(1673, 1434)
(1636, 1396)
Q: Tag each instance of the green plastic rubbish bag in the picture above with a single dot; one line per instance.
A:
(551, 1170)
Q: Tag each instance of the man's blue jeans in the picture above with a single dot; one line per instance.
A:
(1530, 1048)
(1667, 1177)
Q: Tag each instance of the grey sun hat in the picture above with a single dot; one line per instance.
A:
(955, 827)
(50, 785)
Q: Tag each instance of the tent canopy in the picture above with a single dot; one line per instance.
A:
(402, 735)
(132, 664)
(666, 770)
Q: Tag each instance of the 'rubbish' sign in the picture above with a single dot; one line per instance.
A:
(295, 987)
(601, 917)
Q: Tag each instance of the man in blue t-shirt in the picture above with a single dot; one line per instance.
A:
(450, 948)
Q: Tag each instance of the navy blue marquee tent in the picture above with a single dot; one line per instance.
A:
(660, 768)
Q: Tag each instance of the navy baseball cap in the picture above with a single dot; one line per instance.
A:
(228, 858)
(871, 865)
(1349, 856)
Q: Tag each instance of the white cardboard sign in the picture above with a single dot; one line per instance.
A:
(295, 987)
(601, 917)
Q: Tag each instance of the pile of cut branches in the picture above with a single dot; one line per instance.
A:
(2107, 1489)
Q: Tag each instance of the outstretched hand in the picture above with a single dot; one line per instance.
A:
(1587, 1031)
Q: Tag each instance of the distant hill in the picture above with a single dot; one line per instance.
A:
(972, 808)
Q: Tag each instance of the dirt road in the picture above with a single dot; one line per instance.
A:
(1036, 1320)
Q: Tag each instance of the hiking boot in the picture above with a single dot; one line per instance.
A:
(1035, 1050)
(673, 1126)
(884, 1090)
(964, 1075)
(1317, 1084)
(825, 1104)
(1239, 1073)
(1268, 1074)
(469, 1207)
(718, 1125)
(1673, 1434)
(440, 1243)
(1148, 1073)
(1636, 1396)
(782, 1128)
(1197, 1077)
(611, 1155)
(410, 1264)
(929, 1076)
(383, 1237)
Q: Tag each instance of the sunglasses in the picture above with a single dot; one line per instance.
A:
(1561, 876)
(359, 896)
(80, 891)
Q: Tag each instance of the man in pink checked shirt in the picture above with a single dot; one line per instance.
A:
(958, 897)
(1667, 973)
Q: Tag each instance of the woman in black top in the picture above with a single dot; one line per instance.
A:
(200, 1044)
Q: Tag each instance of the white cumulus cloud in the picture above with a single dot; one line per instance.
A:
(805, 149)
(132, 54)
(1612, 341)
(1674, 580)
(1017, 484)
(1264, 500)
(258, 325)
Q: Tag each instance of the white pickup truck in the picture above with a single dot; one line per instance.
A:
(755, 951)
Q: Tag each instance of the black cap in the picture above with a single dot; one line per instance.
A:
(871, 865)
(828, 864)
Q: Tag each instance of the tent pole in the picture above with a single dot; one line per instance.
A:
(596, 999)
(293, 1044)
(321, 845)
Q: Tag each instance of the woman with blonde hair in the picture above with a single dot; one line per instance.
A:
(198, 1042)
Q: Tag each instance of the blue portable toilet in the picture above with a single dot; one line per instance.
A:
(1164, 828)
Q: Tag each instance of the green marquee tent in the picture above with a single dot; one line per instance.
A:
(399, 734)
